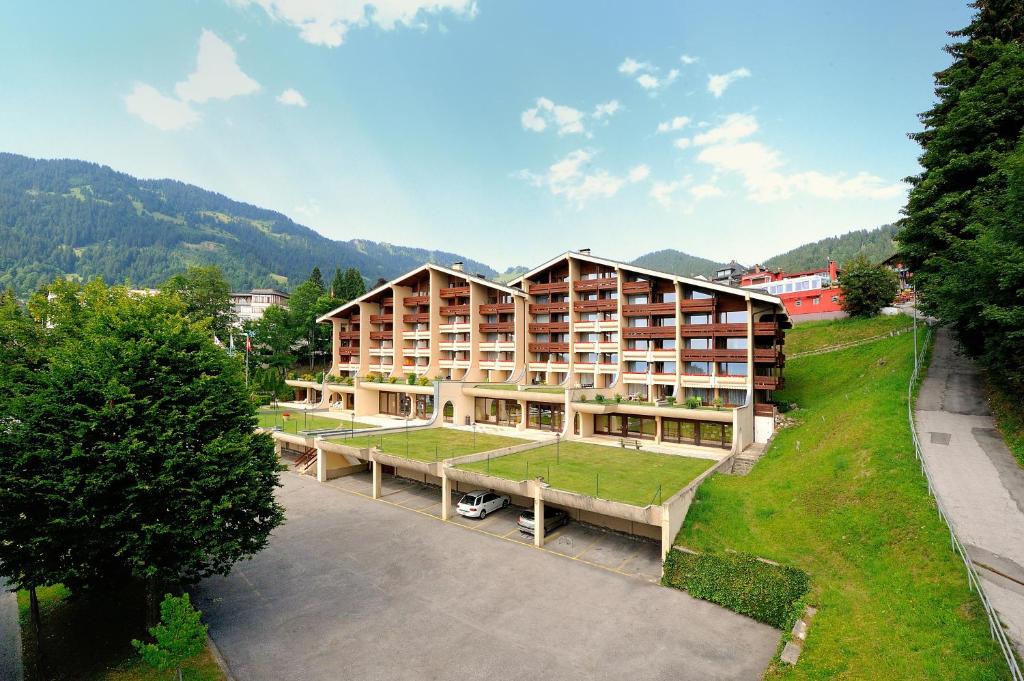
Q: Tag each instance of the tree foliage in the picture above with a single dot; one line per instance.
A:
(206, 295)
(963, 233)
(178, 637)
(874, 244)
(867, 287)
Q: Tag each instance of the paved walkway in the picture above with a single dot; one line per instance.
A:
(10, 636)
(356, 589)
(976, 477)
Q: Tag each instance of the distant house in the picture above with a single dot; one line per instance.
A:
(812, 294)
(251, 306)
(730, 274)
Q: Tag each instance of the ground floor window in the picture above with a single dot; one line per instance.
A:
(424, 406)
(395, 404)
(501, 412)
(545, 416)
(702, 433)
(448, 412)
(644, 427)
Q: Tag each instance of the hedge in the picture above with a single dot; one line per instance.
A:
(767, 593)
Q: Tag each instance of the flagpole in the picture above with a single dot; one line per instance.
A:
(246, 359)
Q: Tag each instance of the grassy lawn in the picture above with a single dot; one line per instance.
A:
(431, 444)
(90, 639)
(808, 336)
(840, 495)
(1006, 408)
(298, 420)
(625, 475)
(555, 390)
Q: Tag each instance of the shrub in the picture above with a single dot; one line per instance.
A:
(392, 379)
(767, 593)
(670, 400)
(410, 378)
(717, 402)
(599, 398)
(320, 377)
(424, 380)
(179, 637)
(618, 398)
(694, 402)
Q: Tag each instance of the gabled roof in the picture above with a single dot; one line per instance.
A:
(700, 283)
(422, 268)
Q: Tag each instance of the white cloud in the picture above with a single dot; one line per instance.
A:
(217, 75)
(682, 143)
(664, 192)
(735, 127)
(717, 83)
(292, 97)
(677, 123)
(567, 120)
(326, 22)
(532, 120)
(629, 66)
(607, 110)
(160, 111)
(572, 179)
(705, 191)
(647, 74)
(687, 59)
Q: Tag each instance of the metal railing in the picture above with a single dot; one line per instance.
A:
(973, 579)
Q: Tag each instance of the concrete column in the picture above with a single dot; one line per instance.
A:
(321, 465)
(538, 516)
(278, 447)
(657, 429)
(446, 496)
(376, 479)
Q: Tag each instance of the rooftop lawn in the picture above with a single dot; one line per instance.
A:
(613, 473)
(553, 389)
(299, 420)
(818, 335)
(840, 495)
(431, 444)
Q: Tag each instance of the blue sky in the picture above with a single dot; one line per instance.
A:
(504, 131)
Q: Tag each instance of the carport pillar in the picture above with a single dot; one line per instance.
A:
(376, 479)
(446, 496)
(321, 465)
(538, 516)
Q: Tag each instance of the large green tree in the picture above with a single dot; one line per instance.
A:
(867, 287)
(206, 295)
(354, 287)
(962, 235)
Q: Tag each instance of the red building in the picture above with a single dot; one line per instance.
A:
(814, 294)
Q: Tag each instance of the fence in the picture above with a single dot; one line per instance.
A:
(973, 579)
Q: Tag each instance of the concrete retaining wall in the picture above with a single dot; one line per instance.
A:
(675, 508)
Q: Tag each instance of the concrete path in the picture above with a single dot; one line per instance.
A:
(10, 636)
(356, 589)
(976, 477)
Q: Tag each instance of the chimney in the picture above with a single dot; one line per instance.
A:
(584, 251)
(457, 266)
(833, 270)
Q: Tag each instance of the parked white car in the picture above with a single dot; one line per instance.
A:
(478, 503)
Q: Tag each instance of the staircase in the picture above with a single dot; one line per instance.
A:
(306, 460)
(746, 459)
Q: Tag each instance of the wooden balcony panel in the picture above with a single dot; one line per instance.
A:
(544, 308)
(417, 318)
(497, 308)
(734, 330)
(381, 318)
(455, 292)
(498, 327)
(648, 309)
(697, 304)
(349, 335)
(354, 319)
(387, 302)
(723, 355)
(551, 287)
(639, 332)
(348, 352)
(455, 310)
(381, 335)
(549, 347)
(764, 410)
(698, 355)
(632, 287)
(767, 329)
(599, 305)
(769, 355)
(768, 382)
(603, 284)
(413, 301)
(550, 327)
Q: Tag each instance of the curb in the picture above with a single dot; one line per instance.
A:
(219, 659)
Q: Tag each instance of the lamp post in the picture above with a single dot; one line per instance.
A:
(558, 439)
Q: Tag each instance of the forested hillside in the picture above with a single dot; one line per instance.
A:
(67, 217)
(677, 262)
(875, 244)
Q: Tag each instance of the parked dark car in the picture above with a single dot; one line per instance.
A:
(553, 519)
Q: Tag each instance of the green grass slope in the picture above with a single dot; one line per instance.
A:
(840, 495)
(823, 334)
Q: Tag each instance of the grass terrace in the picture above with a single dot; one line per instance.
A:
(553, 389)
(299, 420)
(431, 444)
(613, 473)
(818, 335)
(840, 496)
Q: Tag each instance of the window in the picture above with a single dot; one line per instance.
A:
(698, 343)
(706, 395)
(637, 299)
(698, 319)
(665, 368)
(733, 398)
(735, 343)
(797, 303)
(636, 367)
(641, 427)
(697, 368)
(732, 369)
(545, 416)
(734, 317)
(835, 299)
(697, 295)
(637, 322)
(815, 300)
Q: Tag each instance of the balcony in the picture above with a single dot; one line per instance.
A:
(764, 410)
(648, 309)
(631, 287)
(769, 356)
(387, 302)
(381, 335)
(497, 308)
(455, 310)
(499, 327)
(348, 335)
(707, 330)
(354, 319)
(417, 318)
(349, 351)
(550, 327)
(381, 318)
(455, 292)
(545, 308)
(552, 287)
(603, 284)
(599, 305)
(768, 382)
(640, 332)
(413, 301)
(767, 329)
(549, 347)
(697, 304)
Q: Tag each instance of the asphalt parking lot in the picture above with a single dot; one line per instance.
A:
(351, 588)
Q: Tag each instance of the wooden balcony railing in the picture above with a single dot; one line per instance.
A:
(550, 327)
(455, 291)
(544, 308)
(497, 308)
(416, 318)
(768, 382)
(638, 332)
(388, 302)
(381, 318)
(381, 335)
(767, 329)
(769, 355)
(348, 335)
(764, 410)
(412, 301)
(599, 305)
(455, 310)
(549, 347)
(350, 351)
(647, 309)
(632, 287)
(354, 319)
(499, 327)
(552, 287)
(603, 284)
(697, 304)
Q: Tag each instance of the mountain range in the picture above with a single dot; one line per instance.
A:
(70, 218)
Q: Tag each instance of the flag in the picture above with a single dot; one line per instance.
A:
(248, 343)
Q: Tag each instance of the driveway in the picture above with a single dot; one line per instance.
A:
(976, 477)
(350, 588)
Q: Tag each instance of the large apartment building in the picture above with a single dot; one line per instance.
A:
(580, 345)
